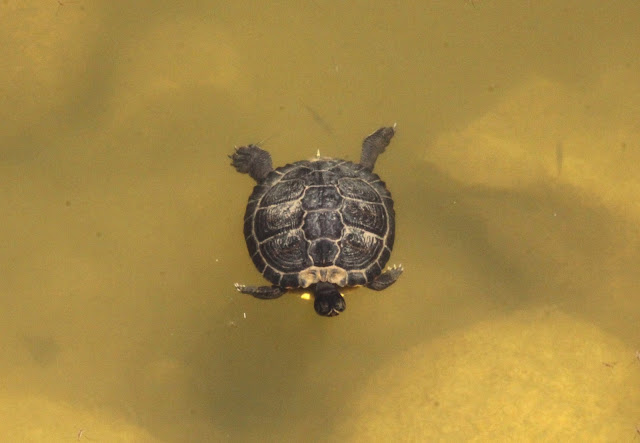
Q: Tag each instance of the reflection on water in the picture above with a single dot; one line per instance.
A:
(514, 173)
(536, 375)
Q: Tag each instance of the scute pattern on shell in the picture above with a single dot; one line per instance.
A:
(325, 218)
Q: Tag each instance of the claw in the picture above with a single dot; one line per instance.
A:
(239, 287)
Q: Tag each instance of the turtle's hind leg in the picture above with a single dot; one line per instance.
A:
(262, 292)
(252, 160)
(374, 145)
(387, 278)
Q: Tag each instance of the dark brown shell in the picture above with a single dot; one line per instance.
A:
(322, 220)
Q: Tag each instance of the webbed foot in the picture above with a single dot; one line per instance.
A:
(252, 160)
(387, 278)
(262, 292)
(374, 145)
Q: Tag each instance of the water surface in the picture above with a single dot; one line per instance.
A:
(515, 176)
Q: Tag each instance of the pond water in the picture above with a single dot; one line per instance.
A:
(514, 172)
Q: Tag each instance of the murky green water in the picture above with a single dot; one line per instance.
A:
(515, 176)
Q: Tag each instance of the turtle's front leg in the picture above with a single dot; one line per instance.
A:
(387, 278)
(374, 145)
(262, 292)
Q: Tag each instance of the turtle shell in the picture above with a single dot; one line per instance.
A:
(320, 220)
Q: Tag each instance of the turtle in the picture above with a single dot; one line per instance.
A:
(323, 223)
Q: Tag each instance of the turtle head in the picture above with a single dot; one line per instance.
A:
(328, 301)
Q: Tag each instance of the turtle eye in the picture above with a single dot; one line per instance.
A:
(338, 303)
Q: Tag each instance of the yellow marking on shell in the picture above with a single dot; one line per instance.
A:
(318, 154)
(331, 274)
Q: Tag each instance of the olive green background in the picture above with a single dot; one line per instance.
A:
(514, 172)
